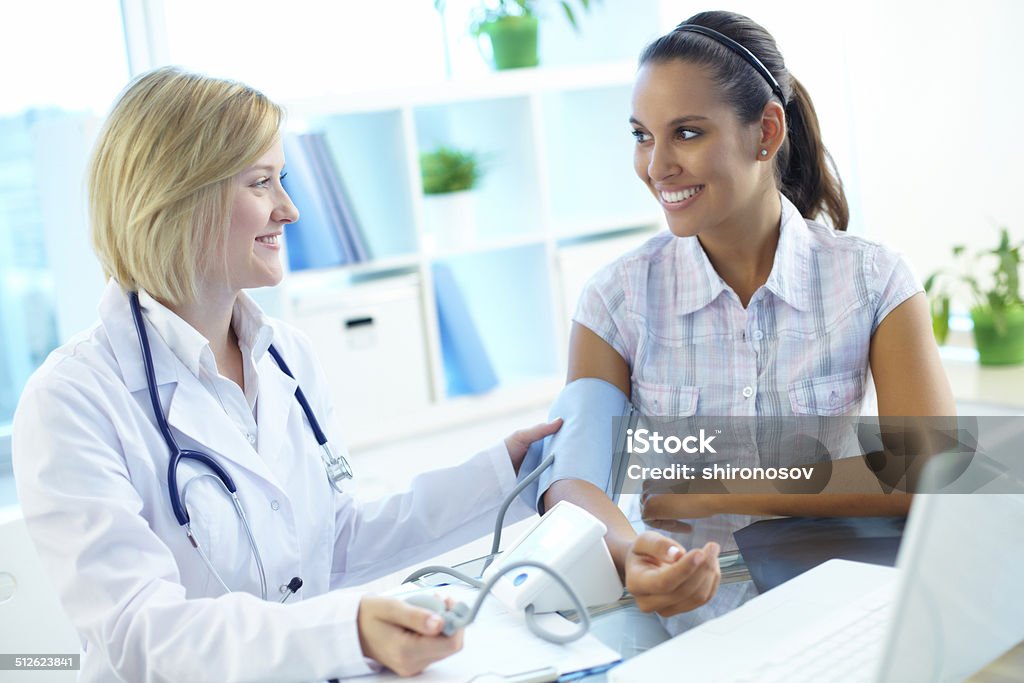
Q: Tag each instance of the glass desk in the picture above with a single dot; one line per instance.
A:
(623, 627)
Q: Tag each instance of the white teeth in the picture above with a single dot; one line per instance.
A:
(682, 195)
(269, 239)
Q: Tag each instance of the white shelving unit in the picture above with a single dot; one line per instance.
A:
(558, 200)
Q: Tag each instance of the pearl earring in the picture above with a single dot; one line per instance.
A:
(764, 152)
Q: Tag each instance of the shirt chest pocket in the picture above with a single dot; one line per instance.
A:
(839, 394)
(665, 400)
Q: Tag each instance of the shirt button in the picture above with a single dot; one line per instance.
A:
(758, 335)
(275, 506)
(833, 398)
(748, 392)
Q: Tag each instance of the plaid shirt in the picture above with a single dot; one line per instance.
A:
(799, 348)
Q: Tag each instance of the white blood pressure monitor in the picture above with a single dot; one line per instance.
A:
(570, 540)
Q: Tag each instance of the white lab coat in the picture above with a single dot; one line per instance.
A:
(91, 471)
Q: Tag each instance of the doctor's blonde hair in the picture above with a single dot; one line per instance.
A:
(160, 179)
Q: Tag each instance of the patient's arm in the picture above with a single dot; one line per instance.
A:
(905, 365)
(660, 573)
(591, 356)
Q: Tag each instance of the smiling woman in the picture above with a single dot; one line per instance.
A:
(748, 306)
(159, 452)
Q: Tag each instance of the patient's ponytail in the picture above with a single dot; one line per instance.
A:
(806, 172)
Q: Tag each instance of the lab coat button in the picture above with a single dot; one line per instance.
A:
(748, 392)
(274, 505)
(251, 438)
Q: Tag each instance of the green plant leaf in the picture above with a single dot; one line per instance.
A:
(972, 282)
(930, 281)
(1000, 296)
(940, 318)
(527, 8)
(570, 16)
(446, 170)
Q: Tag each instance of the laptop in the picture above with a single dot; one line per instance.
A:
(953, 603)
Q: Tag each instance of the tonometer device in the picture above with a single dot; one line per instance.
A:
(562, 562)
(569, 540)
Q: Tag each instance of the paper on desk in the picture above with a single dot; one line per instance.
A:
(499, 643)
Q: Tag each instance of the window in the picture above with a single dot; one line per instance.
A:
(61, 75)
(307, 48)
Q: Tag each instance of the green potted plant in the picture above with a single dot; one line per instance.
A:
(511, 27)
(450, 177)
(997, 309)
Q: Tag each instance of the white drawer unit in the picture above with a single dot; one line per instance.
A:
(370, 339)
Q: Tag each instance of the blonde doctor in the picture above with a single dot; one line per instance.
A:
(126, 465)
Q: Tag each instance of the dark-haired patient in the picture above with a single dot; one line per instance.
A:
(755, 302)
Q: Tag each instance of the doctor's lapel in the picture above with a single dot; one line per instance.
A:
(274, 408)
(195, 413)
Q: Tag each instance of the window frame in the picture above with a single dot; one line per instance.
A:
(145, 44)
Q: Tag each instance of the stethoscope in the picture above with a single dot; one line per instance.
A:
(337, 467)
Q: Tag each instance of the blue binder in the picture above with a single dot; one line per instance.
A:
(467, 367)
(339, 204)
(312, 240)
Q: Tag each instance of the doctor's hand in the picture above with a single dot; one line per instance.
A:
(519, 442)
(666, 579)
(404, 638)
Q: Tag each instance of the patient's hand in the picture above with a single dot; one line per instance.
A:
(666, 579)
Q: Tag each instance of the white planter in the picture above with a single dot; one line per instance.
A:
(449, 220)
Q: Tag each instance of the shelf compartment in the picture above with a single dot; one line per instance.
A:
(500, 130)
(503, 317)
(589, 153)
(369, 149)
(370, 337)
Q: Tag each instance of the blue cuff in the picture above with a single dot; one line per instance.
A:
(585, 445)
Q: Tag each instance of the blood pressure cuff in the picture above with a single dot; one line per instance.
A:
(587, 445)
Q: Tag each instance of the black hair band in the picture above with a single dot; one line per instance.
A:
(743, 52)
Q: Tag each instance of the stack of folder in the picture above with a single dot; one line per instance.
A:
(327, 233)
